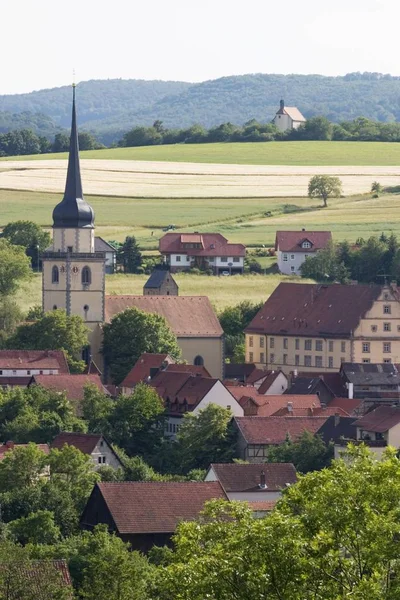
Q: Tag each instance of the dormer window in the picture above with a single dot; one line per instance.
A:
(306, 244)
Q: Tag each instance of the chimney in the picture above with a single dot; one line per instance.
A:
(282, 104)
(9, 444)
(290, 407)
(303, 229)
(337, 419)
(262, 485)
(351, 390)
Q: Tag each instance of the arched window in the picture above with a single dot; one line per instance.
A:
(86, 276)
(55, 275)
(199, 361)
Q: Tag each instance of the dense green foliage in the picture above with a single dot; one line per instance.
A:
(308, 453)
(234, 320)
(55, 330)
(129, 257)
(369, 261)
(324, 187)
(131, 333)
(110, 108)
(334, 535)
(24, 141)
(14, 267)
(30, 236)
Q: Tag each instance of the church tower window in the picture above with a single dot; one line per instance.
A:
(55, 275)
(86, 276)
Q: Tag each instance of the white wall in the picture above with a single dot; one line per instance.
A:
(218, 262)
(279, 386)
(283, 122)
(101, 450)
(294, 259)
(221, 396)
(26, 372)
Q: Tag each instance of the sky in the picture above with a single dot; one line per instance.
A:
(42, 42)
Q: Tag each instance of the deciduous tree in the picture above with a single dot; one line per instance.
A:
(324, 187)
(14, 267)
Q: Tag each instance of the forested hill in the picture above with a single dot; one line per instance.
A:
(111, 107)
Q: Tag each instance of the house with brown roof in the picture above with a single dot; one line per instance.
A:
(44, 579)
(184, 251)
(161, 283)
(294, 247)
(146, 514)
(191, 318)
(256, 435)
(319, 327)
(72, 385)
(380, 425)
(184, 392)
(148, 365)
(255, 404)
(288, 117)
(252, 482)
(94, 445)
(18, 366)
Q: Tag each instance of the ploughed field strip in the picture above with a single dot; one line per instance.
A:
(147, 179)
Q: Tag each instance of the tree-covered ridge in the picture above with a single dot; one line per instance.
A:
(111, 107)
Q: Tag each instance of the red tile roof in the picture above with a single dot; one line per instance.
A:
(15, 381)
(10, 446)
(246, 477)
(34, 359)
(181, 388)
(380, 419)
(37, 574)
(255, 404)
(212, 244)
(188, 316)
(156, 507)
(269, 380)
(72, 385)
(350, 405)
(263, 505)
(275, 430)
(146, 362)
(291, 241)
(85, 442)
(321, 411)
(307, 310)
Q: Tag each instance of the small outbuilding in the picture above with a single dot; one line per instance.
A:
(160, 283)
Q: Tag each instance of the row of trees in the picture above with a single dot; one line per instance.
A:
(368, 261)
(25, 141)
(315, 128)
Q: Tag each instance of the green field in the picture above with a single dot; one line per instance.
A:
(222, 291)
(238, 220)
(253, 153)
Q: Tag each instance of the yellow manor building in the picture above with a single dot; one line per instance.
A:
(322, 326)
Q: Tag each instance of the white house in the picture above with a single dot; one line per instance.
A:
(184, 392)
(288, 117)
(184, 251)
(101, 245)
(293, 247)
(93, 444)
(253, 482)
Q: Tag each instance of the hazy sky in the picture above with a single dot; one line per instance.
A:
(42, 41)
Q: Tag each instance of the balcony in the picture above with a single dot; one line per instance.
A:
(73, 255)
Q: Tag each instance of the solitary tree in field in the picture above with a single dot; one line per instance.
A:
(324, 186)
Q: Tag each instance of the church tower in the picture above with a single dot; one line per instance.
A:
(73, 273)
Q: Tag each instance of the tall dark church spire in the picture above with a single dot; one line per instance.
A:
(73, 211)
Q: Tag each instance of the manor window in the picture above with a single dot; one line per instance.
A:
(86, 276)
(55, 275)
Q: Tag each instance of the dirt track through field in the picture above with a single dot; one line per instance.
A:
(146, 179)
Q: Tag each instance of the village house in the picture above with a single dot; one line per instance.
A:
(72, 385)
(148, 365)
(374, 381)
(294, 247)
(4, 448)
(18, 366)
(146, 514)
(40, 577)
(256, 435)
(252, 482)
(191, 318)
(322, 326)
(304, 385)
(110, 252)
(288, 117)
(94, 445)
(184, 251)
(255, 404)
(161, 283)
(184, 392)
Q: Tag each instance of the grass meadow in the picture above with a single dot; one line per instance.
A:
(222, 291)
(253, 153)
